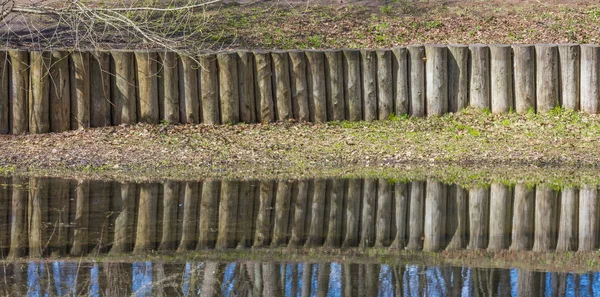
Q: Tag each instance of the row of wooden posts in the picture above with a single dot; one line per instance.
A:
(53, 91)
(39, 218)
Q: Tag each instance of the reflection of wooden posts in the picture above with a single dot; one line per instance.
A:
(100, 102)
(228, 214)
(145, 235)
(4, 216)
(435, 210)
(58, 216)
(528, 283)
(384, 213)
(350, 282)
(39, 92)
(211, 283)
(306, 279)
(82, 212)
(323, 273)
(416, 213)
(479, 208)
(546, 212)
(99, 235)
(169, 216)
(19, 94)
(523, 218)
(168, 85)
(317, 214)
(567, 226)
(37, 213)
(190, 216)
(282, 213)
(588, 218)
(245, 216)
(209, 215)
(401, 214)
(118, 278)
(60, 93)
(370, 279)
(500, 217)
(458, 210)
(262, 237)
(271, 280)
(298, 235)
(398, 279)
(123, 200)
(353, 199)
(336, 213)
(367, 228)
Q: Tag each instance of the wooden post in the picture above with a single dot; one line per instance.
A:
(588, 218)
(19, 239)
(458, 240)
(437, 79)
(169, 88)
(19, 91)
(299, 86)
(590, 78)
(245, 220)
(190, 216)
(228, 214)
(400, 80)
(209, 215)
(209, 81)
(80, 90)
(369, 79)
(384, 213)
(317, 93)
(59, 215)
(458, 77)
(501, 76)
(39, 92)
(352, 85)
(401, 214)
(369, 208)
(4, 92)
(265, 109)
(416, 214)
(145, 235)
(169, 216)
(316, 222)
(334, 76)
(546, 213)
(569, 55)
(336, 214)
(60, 92)
(416, 70)
(480, 76)
(281, 81)
(385, 91)
(229, 95)
(523, 218)
(282, 213)
(546, 77)
(353, 199)
(245, 69)
(123, 88)
(435, 211)
(479, 210)
(100, 114)
(524, 77)
(567, 228)
(298, 233)
(81, 223)
(262, 237)
(147, 94)
(188, 90)
(38, 216)
(123, 200)
(500, 216)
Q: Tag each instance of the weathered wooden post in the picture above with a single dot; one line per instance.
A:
(170, 203)
(19, 91)
(480, 76)
(416, 214)
(317, 92)
(479, 211)
(501, 78)
(100, 101)
(546, 77)
(416, 69)
(39, 92)
(369, 207)
(145, 235)
(169, 87)
(209, 215)
(369, 84)
(336, 213)
(265, 107)
(385, 91)
(590, 78)
(569, 55)
(4, 92)
(298, 233)
(282, 213)
(588, 218)
(384, 213)
(352, 85)
(299, 86)
(122, 88)
(281, 83)
(80, 90)
(245, 69)
(209, 93)
(500, 216)
(353, 199)
(317, 218)
(523, 218)
(524, 77)
(458, 240)
(458, 77)
(436, 79)
(400, 80)
(334, 77)
(82, 212)
(229, 95)
(228, 214)
(147, 86)
(190, 216)
(435, 219)
(567, 228)
(401, 214)
(188, 90)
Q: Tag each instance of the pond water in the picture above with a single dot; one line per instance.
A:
(79, 237)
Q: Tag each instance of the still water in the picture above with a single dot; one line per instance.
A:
(42, 220)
